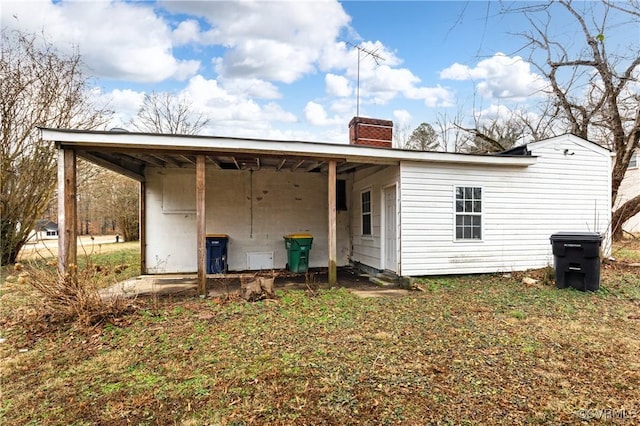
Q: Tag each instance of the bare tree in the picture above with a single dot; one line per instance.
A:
(493, 136)
(449, 134)
(593, 86)
(114, 200)
(166, 113)
(40, 86)
(401, 133)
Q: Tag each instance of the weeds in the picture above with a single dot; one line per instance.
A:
(74, 296)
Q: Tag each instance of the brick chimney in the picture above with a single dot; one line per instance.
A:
(371, 132)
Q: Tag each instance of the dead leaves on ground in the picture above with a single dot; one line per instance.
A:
(476, 350)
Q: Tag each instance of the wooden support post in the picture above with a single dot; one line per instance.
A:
(201, 224)
(67, 210)
(333, 271)
(142, 224)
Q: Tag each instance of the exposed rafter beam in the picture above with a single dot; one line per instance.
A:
(235, 162)
(214, 161)
(150, 159)
(136, 173)
(187, 159)
(258, 162)
(346, 167)
(281, 164)
(298, 164)
(314, 165)
(168, 159)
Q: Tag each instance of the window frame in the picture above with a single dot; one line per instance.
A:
(472, 214)
(369, 213)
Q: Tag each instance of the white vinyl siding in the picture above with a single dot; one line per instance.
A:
(525, 207)
(368, 249)
(629, 188)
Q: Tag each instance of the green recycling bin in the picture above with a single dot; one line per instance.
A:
(298, 247)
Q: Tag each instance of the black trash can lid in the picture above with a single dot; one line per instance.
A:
(587, 237)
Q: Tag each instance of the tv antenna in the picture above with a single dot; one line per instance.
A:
(376, 57)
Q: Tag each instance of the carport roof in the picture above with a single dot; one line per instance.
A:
(129, 153)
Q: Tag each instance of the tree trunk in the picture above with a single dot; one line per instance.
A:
(626, 211)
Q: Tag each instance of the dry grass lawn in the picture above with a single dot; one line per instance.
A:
(482, 349)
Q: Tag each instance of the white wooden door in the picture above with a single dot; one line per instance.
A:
(390, 245)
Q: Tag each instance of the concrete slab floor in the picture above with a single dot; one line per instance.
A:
(186, 284)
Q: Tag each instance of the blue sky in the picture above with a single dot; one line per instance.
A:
(286, 70)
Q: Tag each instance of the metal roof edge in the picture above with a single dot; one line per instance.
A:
(123, 139)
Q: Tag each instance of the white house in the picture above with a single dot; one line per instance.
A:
(630, 188)
(409, 212)
(44, 230)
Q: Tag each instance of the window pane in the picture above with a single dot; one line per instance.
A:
(476, 233)
(477, 206)
(467, 232)
(459, 233)
(366, 202)
(468, 206)
(468, 193)
(477, 193)
(366, 224)
(459, 220)
(459, 192)
(459, 206)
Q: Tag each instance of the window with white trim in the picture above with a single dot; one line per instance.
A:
(468, 212)
(365, 198)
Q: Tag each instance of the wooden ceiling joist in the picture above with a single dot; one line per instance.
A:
(168, 159)
(134, 172)
(214, 161)
(187, 159)
(314, 165)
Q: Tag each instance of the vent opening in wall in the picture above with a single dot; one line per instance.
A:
(259, 260)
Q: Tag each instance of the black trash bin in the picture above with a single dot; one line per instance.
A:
(217, 253)
(576, 258)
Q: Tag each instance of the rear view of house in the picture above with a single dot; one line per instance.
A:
(365, 203)
(469, 216)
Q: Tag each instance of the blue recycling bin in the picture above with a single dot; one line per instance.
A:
(216, 247)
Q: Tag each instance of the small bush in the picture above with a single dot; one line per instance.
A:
(74, 297)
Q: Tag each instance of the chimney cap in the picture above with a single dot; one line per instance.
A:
(367, 120)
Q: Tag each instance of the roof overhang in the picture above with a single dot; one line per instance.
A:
(129, 153)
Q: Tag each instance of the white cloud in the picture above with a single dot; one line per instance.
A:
(251, 87)
(186, 32)
(124, 103)
(500, 77)
(402, 117)
(230, 113)
(337, 85)
(267, 40)
(116, 39)
(432, 96)
(316, 115)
